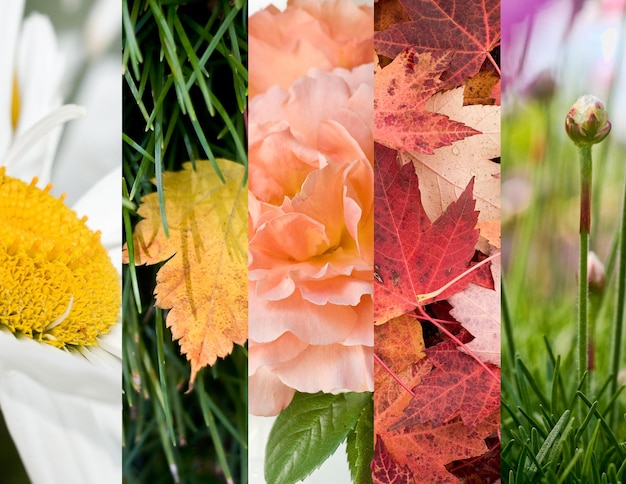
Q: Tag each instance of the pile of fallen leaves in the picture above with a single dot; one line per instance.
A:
(437, 239)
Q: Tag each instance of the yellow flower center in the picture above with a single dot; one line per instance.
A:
(57, 283)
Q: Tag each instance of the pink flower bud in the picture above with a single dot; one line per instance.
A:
(595, 273)
(587, 122)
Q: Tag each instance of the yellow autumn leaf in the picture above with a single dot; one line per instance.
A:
(205, 281)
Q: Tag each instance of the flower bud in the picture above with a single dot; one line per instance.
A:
(595, 273)
(587, 122)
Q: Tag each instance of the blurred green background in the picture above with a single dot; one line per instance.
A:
(545, 70)
(553, 53)
(540, 230)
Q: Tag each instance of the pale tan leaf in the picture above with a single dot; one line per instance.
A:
(447, 171)
(478, 310)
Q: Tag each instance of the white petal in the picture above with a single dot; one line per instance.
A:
(62, 437)
(108, 353)
(39, 70)
(111, 343)
(57, 369)
(103, 26)
(101, 204)
(63, 412)
(92, 147)
(21, 146)
(10, 21)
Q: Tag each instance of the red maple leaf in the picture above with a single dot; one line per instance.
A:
(484, 468)
(413, 256)
(426, 451)
(457, 386)
(470, 29)
(401, 91)
(386, 470)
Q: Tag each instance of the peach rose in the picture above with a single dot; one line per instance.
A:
(310, 289)
(283, 46)
(311, 207)
(291, 133)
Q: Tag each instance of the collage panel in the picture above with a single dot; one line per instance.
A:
(185, 275)
(310, 241)
(564, 277)
(60, 242)
(437, 241)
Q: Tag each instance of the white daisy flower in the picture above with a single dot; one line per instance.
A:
(31, 68)
(60, 292)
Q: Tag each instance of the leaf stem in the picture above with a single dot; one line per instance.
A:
(393, 375)
(494, 64)
(442, 328)
(583, 282)
(423, 299)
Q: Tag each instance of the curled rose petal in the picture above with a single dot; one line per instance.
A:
(316, 324)
(310, 271)
(324, 232)
(284, 45)
(285, 145)
(267, 395)
(329, 368)
(310, 204)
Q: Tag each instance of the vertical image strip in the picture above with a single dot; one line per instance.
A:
(60, 243)
(185, 205)
(310, 241)
(564, 211)
(437, 241)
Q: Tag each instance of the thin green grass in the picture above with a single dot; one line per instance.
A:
(185, 87)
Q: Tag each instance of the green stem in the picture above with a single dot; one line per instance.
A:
(583, 294)
(618, 323)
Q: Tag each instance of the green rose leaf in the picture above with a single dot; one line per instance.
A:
(308, 431)
(360, 446)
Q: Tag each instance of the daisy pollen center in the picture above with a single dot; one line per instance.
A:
(57, 283)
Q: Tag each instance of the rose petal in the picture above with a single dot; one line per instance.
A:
(314, 324)
(267, 395)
